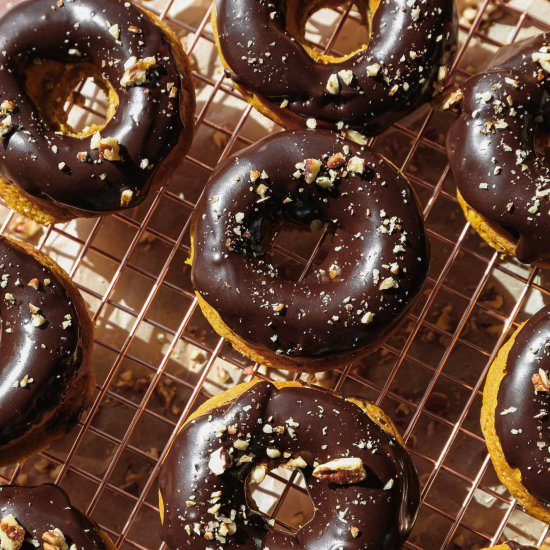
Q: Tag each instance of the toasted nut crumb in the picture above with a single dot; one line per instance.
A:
(219, 461)
(295, 463)
(356, 164)
(109, 147)
(374, 69)
(342, 471)
(333, 85)
(126, 197)
(346, 76)
(12, 535)
(311, 169)
(135, 73)
(354, 531)
(34, 283)
(336, 161)
(541, 382)
(55, 540)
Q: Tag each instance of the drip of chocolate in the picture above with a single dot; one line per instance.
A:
(362, 482)
(45, 509)
(376, 265)
(134, 55)
(491, 145)
(408, 50)
(40, 341)
(522, 417)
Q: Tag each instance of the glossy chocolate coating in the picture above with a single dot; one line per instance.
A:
(410, 41)
(147, 123)
(491, 147)
(46, 507)
(524, 429)
(376, 224)
(325, 427)
(49, 355)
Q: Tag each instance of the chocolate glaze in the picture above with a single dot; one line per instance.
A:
(491, 146)
(324, 427)
(46, 507)
(371, 214)
(147, 123)
(49, 355)
(410, 41)
(524, 428)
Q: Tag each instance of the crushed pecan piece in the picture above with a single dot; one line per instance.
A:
(541, 382)
(343, 471)
(55, 540)
(12, 535)
(135, 71)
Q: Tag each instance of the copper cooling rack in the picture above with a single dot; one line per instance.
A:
(156, 358)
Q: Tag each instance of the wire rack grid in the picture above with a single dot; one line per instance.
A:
(157, 359)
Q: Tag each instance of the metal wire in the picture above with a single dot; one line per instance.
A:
(99, 490)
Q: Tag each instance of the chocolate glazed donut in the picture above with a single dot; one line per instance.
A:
(43, 515)
(503, 185)
(46, 340)
(52, 173)
(362, 482)
(409, 49)
(516, 415)
(354, 297)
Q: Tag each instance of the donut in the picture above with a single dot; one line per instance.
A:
(52, 172)
(354, 298)
(43, 517)
(46, 341)
(362, 482)
(264, 51)
(503, 185)
(515, 416)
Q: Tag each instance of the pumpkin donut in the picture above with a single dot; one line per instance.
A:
(46, 341)
(43, 517)
(355, 297)
(362, 482)
(49, 171)
(515, 416)
(503, 186)
(263, 48)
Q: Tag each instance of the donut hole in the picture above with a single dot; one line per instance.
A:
(72, 98)
(292, 248)
(282, 496)
(313, 22)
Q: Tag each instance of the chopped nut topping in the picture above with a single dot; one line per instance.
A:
(126, 197)
(6, 107)
(114, 30)
(333, 85)
(336, 161)
(311, 169)
(295, 463)
(12, 535)
(346, 76)
(374, 69)
(541, 382)
(356, 164)
(354, 531)
(357, 137)
(55, 540)
(135, 73)
(258, 473)
(543, 59)
(388, 283)
(6, 127)
(219, 461)
(109, 147)
(34, 283)
(342, 471)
